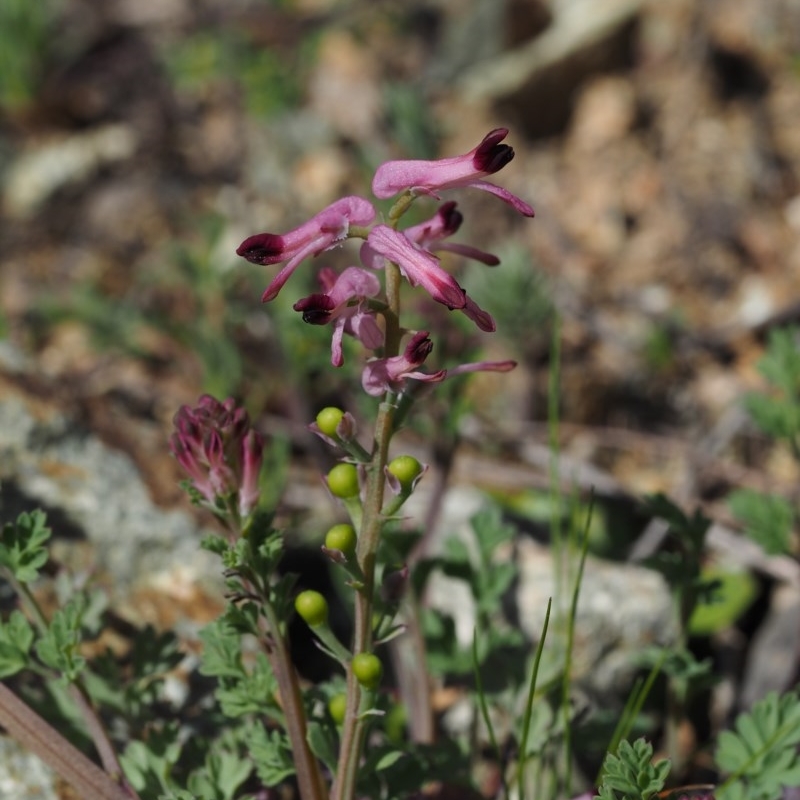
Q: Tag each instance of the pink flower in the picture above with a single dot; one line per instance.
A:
(322, 232)
(422, 268)
(482, 366)
(444, 223)
(342, 303)
(384, 374)
(418, 266)
(220, 452)
(430, 177)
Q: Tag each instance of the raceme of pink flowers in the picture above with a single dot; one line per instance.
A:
(351, 301)
(220, 452)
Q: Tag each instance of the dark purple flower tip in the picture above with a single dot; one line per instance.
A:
(451, 218)
(418, 349)
(263, 248)
(491, 156)
(316, 308)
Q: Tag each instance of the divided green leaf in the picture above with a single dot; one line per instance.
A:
(58, 647)
(16, 638)
(761, 752)
(631, 774)
(22, 549)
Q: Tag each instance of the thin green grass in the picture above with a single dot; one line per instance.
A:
(526, 720)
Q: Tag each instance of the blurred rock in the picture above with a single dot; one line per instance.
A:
(344, 90)
(92, 493)
(622, 609)
(46, 167)
(149, 12)
(535, 82)
(604, 113)
(774, 656)
(451, 596)
(23, 775)
(471, 32)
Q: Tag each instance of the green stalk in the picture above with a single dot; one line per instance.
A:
(556, 533)
(352, 741)
(355, 724)
(309, 777)
(632, 708)
(526, 720)
(573, 614)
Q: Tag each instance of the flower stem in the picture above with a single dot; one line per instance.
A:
(309, 777)
(355, 724)
(392, 313)
(36, 735)
(352, 741)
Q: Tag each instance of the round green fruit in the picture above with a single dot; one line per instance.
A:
(328, 420)
(312, 607)
(343, 481)
(368, 670)
(406, 469)
(342, 537)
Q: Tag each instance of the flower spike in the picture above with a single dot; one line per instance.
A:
(431, 177)
(322, 232)
(220, 452)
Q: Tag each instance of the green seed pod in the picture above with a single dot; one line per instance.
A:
(328, 420)
(342, 537)
(368, 670)
(343, 481)
(406, 469)
(312, 607)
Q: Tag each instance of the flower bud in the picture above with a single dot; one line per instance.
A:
(220, 451)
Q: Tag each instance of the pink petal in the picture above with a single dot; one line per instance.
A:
(418, 266)
(515, 202)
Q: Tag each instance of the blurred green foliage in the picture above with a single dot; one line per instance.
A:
(734, 594)
(768, 518)
(659, 348)
(271, 79)
(27, 34)
(519, 299)
(409, 119)
(777, 410)
(213, 304)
